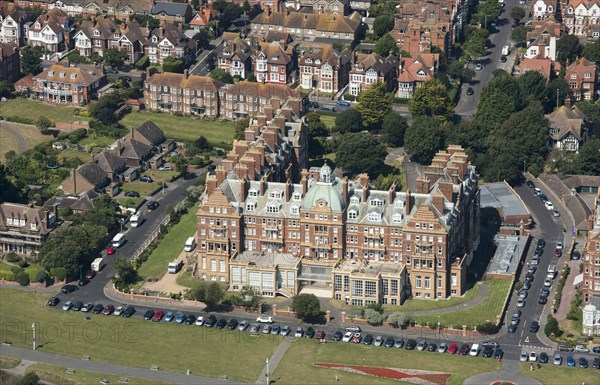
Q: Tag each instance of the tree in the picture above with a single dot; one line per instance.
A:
(145, 21)
(173, 64)
(115, 57)
(360, 152)
(181, 164)
(59, 251)
(306, 306)
(125, 273)
(383, 24)
(499, 99)
(533, 86)
(552, 327)
(104, 109)
(250, 298)
(385, 182)
(394, 127)
(348, 120)
(221, 75)
(30, 378)
(591, 51)
(592, 111)
(240, 128)
(196, 5)
(424, 137)
(554, 99)
(589, 157)
(373, 317)
(22, 278)
(474, 47)
(202, 143)
(213, 294)
(432, 99)
(385, 46)
(522, 137)
(314, 125)
(6, 89)
(60, 273)
(517, 13)
(31, 59)
(374, 104)
(519, 34)
(43, 123)
(568, 48)
(397, 318)
(469, 134)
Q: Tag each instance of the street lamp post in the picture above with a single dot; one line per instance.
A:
(33, 338)
(524, 166)
(268, 374)
(557, 96)
(122, 221)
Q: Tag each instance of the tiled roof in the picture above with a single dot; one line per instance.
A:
(262, 90)
(421, 68)
(205, 15)
(171, 33)
(8, 49)
(274, 52)
(150, 131)
(171, 9)
(373, 60)
(172, 79)
(33, 215)
(234, 45)
(317, 22)
(109, 162)
(92, 173)
(543, 65)
(322, 52)
(133, 149)
(567, 121)
(82, 74)
(580, 67)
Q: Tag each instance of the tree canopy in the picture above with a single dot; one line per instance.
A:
(592, 111)
(360, 152)
(348, 120)
(221, 75)
(567, 48)
(385, 46)
(394, 128)
(589, 157)
(31, 59)
(423, 138)
(383, 24)
(115, 57)
(432, 99)
(173, 64)
(374, 104)
(499, 99)
(591, 51)
(306, 306)
(533, 86)
(517, 13)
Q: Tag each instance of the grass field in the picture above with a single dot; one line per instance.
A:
(297, 365)
(561, 375)
(7, 362)
(133, 342)
(170, 246)
(218, 133)
(473, 316)
(97, 141)
(58, 375)
(6, 272)
(34, 109)
(30, 134)
(71, 154)
(128, 201)
(328, 118)
(143, 188)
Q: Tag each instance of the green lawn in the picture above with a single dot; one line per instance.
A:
(30, 134)
(128, 201)
(328, 118)
(133, 342)
(7, 362)
(170, 246)
(6, 272)
(473, 316)
(218, 133)
(297, 365)
(560, 375)
(34, 109)
(71, 154)
(142, 187)
(58, 375)
(97, 141)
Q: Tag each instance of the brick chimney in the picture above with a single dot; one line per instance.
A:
(74, 181)
(438, 201)
(345, 190)
(263, 185)
(364, 182)
(392, 193)
(132, 133)
(270, 137)
(186, 73)
(423, 185)
(304, 181)
(220, 172)
(446, 189)
(161, 31)
(288, 190)
(243, 189)
(211, 184)
(407, 203)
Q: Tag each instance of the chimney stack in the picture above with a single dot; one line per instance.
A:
(364, 182)
(438, 202)
(345, 190)
(186, 73)
(263, 185)
(288, 189)
(74, 182)
(407, 203)
(446, 189)
(211, 184)
(220, 175)
(391, 193)
(304, 181)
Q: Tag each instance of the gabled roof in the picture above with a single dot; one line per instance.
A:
(263, 90)
(580, 67)
(324, 53)
(31, 215)
(92, 173)
(541, 64)
(233, 45)
(373, 60)
(150, 131)
(274, 52)
(172, 79)
(85, 201)
(421, 68)
(133, 149)
(317, 22)
(169, 32)
(171, 9)
(109, 162)
(8, 49)
(203, 16)
(82, 74)
(568, 121)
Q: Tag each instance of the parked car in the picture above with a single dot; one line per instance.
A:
(53, 301)
(523, 357)
(83, 281)
(549, 205)
(474, 352)
(498, 354)
(512, 328)
(442, 348)
(223, 322)
(132, 194)
(464, 350)
(169, 316)
(146, 179)
(493, 344)
(432, 347)
(77, 306)
(478, 67)
(559, 245)
(285, 330)
(557, 359)
(533, 357)
(165, 168)
(564, 348)
(558, 253)
(200, 321)
(356, 338)
(320, 334)
(389, 342)
(470, 91)
(152, 205)
(190, 319)
(314, 105)
(534, 326)
(410, 344)
(265, 319)
(90, 274)
(576, 255)
(521, 303)
(110, 251)
(570, 361)
(347, 337)
(353, 328)
(119, 310)
(68, 289)
(337, 336)
(530, 184)
(583, 362)
(108, 310)
(488, 351)
(310, 332)
(255, 329)
(399, 343)
(543, 299)
(67, 305)
(596, 363)
(158, 316)
(503, 59)
(581, 349)
(266, 329)
(300, 332)
(555, 213)
(596, 349)
(233, 323)
(543, 357)
(523, 293)
(421, 345)
(541, 241)
(128, 312)
(453, 348)
(148, 315)
(244, 325)
(343, 103)
(368, 340)
(328, 108)
(547, 283)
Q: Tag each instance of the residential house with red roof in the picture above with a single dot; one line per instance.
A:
(368, 69)
(202, 18)
(234, 55)
(544, 9)
(274, 62)
(413, 72)
(581, 18)
(569, 128)
(582, 76)
(52, 31)
(96, 36)
(324, 69)
(420, 27)
(542, 39)
(548, 68)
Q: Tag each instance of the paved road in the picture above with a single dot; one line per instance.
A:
(467, 105)
(102, 367)
(11, 129)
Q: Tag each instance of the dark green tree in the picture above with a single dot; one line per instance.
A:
(385, 46)
(469, 134)
(533, 86)
(432, 99)
(173, 64)
(499, 99)
(517, 13)
(589, 157)
(30, 378)
(213, 294)
(31, 59)
(567, 48)
(250, 298)
(6, 89)
(348, 120)
(145, 20)
(591, 51)
(125, 273)
(104, 109)
(61, 252)
(552, 96)
(383, 24)
(196, 5)
(314, 125)
(360, 152)
(115, 57)
(394, 127)
(592, 112)
(519, 34)
(221, 75)
(552, 327)
(474, 47)
(374, 105)
(240, 127)
(306, 306)
(423, 138)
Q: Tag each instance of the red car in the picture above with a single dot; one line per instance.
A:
(158, 316)
(356, 338)
(90, 274)
(464, 349)
(108, 310)
(558, 253)
(110, 251)
(453, 348)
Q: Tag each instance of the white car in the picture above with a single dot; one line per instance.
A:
(474, 350)
(119, 310)
(559, 245)
(347, 337)
(523, 357)
(521, 303)
(548, 282)
(478, 67)
(581, 349)
(199, 321)
(557, 359)
(165, 168)
(549, 205)
(265, 319)
(532, 357)
(378, 341)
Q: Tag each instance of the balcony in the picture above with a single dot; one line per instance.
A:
(217, 227)
(56, 91)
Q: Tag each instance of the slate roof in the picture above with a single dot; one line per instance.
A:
(323, 52)
(109, 162)
(83, 74)
(172, 79)
(171, 9)
(171, 33)
(150, 131)
(92, 173)
(133, 149)
(85, 201)
(362, 63)
(568, 121)
(35, 215)
(317, 22)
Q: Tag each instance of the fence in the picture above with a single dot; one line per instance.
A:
(151, 238)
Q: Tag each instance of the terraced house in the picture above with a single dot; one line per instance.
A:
(323, 68)
(341, 238)
(591, 275)
(96, 36)
(368, 69)
(169, 41)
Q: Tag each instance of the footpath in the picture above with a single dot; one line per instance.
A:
(509, 372)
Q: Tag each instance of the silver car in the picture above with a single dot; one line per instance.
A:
(557, 359)
(442, 348)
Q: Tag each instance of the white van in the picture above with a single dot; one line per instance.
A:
(136, 219)
(118, 240)
(190, 244)
(505, 50)
(551, 271)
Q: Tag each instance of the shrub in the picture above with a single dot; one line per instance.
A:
(373, 317)
(23, 263)
(20, 119)
(377, 307)
(552, 327)
(23, 278)
(60, 273)
(12, 257)
(16, 270)
(397, 318)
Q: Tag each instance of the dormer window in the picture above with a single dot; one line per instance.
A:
(397, 218)
(116, 35)
(154, 38)
(354, 200)
(33, 226)
(376, 202)
(587, 75)
(250, 206)
(374, 217)
(96, 33)
(73, 76)
(296, 196)
(309, 60)
(275, 57)
(399, 204)
(352, 214)
(63, 74)
(273, 208)
(253, 193)
(275, 194)
(318, 61)
(50, 73)
(295, 210)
